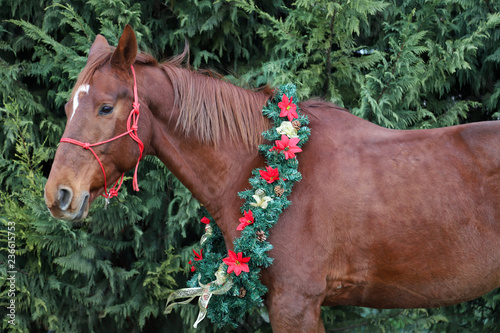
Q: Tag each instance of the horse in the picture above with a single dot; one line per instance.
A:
(384, 218)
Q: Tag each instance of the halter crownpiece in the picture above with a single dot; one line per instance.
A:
(132, 127)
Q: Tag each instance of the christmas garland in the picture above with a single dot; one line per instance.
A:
(237, 285)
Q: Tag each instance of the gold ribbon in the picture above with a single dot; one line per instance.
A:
(208, 232)
(222, 285)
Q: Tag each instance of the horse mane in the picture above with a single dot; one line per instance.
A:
(210, 108)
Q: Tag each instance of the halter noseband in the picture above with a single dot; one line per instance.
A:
(132, 127)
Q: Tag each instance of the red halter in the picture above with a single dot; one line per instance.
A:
(132, 127)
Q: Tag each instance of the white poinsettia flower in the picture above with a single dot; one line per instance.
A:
(287, 129)
(261, 200)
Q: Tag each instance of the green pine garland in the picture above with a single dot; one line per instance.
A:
(247, 290)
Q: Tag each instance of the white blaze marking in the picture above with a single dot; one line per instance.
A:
(83, 88)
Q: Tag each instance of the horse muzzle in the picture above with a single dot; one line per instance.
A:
(64, 204)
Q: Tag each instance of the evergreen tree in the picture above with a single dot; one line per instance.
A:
(400, 64)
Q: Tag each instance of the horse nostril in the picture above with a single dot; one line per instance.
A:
(65, 196)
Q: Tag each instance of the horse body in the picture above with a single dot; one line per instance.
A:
(400, 218)
(382, 218)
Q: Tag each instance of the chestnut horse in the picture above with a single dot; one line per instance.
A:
(384, 218)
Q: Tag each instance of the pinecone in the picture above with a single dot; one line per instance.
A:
(261, 236)
(243, 292)
(279, 190)
(296, 124)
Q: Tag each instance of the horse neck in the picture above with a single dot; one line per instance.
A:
(213, 172)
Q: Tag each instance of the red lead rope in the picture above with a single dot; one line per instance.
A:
(132, 127)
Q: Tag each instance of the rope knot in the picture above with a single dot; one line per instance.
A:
(134, 127)
(112, 193)
(135, 106)
(86, 145)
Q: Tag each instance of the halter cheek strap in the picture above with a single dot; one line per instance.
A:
(132, 127)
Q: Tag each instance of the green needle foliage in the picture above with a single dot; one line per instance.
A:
(401, 64)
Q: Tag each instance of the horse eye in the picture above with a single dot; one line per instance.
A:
(106, 109)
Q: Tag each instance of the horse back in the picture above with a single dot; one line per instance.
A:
(482, 139)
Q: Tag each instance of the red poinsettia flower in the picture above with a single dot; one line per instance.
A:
(270, 174)
(236, 263)
(246, 220)
(198, 257)
(288, 109)
(205, 220)
(287, 146)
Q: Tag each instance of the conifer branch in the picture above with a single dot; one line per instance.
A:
(489, 6)
(392, 72)
(366, 323)
(329, 55)
(15, 268)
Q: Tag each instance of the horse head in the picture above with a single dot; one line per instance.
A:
(101, 139)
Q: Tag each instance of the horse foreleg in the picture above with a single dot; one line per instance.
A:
(294, 313)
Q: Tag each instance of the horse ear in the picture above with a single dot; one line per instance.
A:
(99, 46)
(126, 51)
